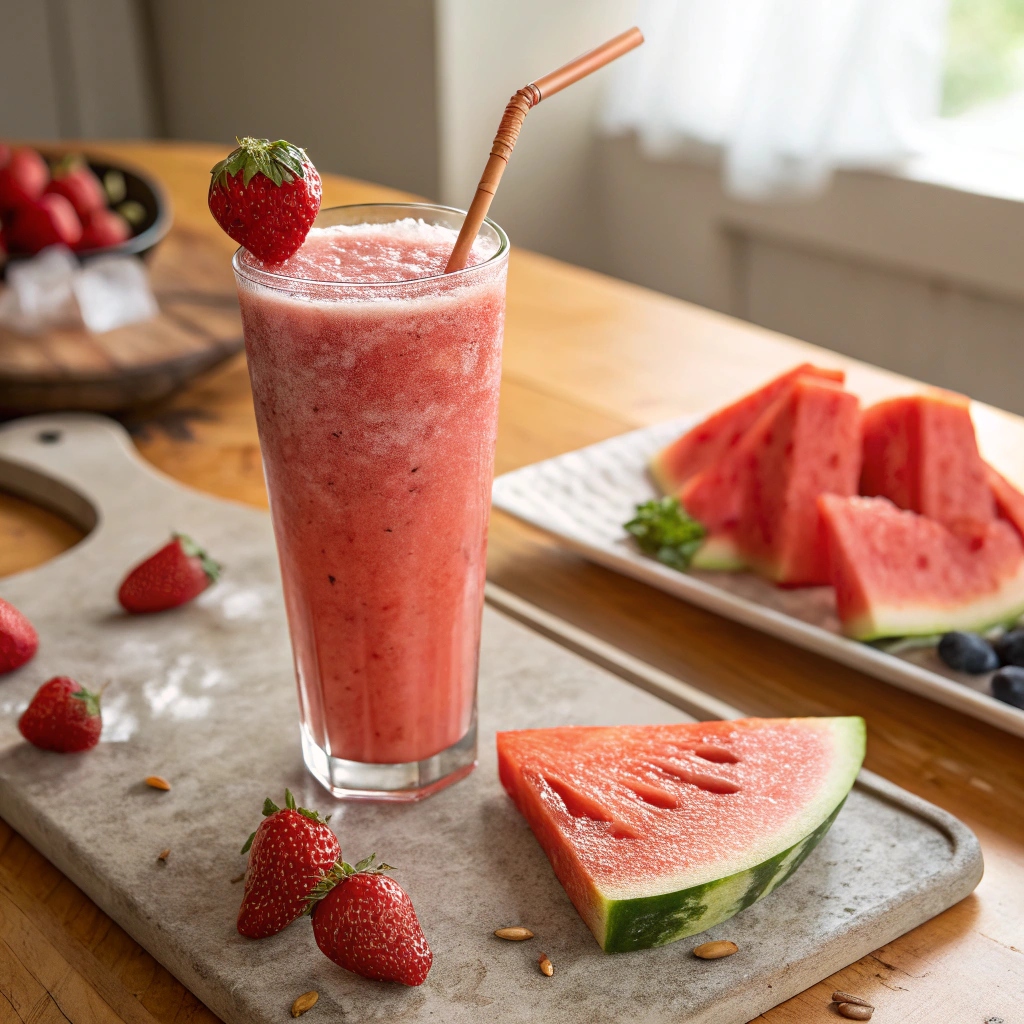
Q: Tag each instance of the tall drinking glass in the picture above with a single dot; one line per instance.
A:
(375, 382)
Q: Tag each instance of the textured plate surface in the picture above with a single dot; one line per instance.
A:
(204, 696)
(584, 497)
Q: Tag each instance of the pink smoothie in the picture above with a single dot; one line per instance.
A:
(377, 410)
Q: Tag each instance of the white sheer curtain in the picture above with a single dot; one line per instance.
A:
(787, 89)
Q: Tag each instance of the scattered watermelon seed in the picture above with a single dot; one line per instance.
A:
(163, 855)
(715, 950)
(155, 782)
(304, 1002)
(515, 934)
(546, 967)
(845, 997)
(855, 1011)
(237, 878)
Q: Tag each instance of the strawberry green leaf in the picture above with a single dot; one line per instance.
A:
(289, 800)
(193, 550)
(248, 842)
(89, 699)
(269, 808)
(279, 161)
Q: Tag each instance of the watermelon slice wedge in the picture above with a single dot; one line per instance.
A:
(921, 453)
(897, 573)
(722, 431)
(662, 831)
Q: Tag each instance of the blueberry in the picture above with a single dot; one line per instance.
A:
(1008, 686)
(968, 652)
(1010, 648)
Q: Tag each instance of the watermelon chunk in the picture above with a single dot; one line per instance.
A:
(806, 444)
(721, 432)
(1009, 501)
(897, 573)
(757, 502)
(920, 452)
(657, 832)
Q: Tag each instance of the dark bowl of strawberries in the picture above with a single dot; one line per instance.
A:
(90, 205)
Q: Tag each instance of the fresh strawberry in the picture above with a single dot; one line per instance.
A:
(178, 572)
(62, 716)
(22, 178)
(18, 638)
(73, 180)
(50, 220)
(265, 195)
(102, 229)
(364, 922)
(288, 855)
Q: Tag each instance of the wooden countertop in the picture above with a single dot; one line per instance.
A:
(586, 357)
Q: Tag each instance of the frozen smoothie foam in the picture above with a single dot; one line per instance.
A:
(375, 382)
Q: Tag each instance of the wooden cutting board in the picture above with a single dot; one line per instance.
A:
(197, 328)
(204, 696)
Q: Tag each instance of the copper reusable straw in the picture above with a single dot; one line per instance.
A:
(511, 123)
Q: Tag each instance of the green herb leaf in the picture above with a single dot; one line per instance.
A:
(663, 529)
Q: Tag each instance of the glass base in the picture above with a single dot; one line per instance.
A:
(403, 783)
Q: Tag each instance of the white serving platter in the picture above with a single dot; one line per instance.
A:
(583, 498)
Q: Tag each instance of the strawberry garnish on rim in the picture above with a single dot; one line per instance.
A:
(365, 922)
(265, 195)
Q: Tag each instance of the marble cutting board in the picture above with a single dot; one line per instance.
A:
(204, 696)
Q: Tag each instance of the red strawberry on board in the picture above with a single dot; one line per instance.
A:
(49, 220)
(63, 716)
(288, 855)
(102, 229)
(73, 180)
(265, 195)
(364, 921)
(178, 572)
(18, 638)
(22, 178)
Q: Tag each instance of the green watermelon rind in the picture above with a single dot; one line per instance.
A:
(1003, 608)
(649, 921)
(718, 554)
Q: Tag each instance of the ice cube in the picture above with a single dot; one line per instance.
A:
(113, 291)
(39, 293)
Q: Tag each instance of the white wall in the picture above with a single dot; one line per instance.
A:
(488, 50)
(352, 81)
(74, 68)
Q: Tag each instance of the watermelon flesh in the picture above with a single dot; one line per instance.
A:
(897, 573)
(920, 452)
(758, 501)
(806, 445)
(722, 431)
(662, 831)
